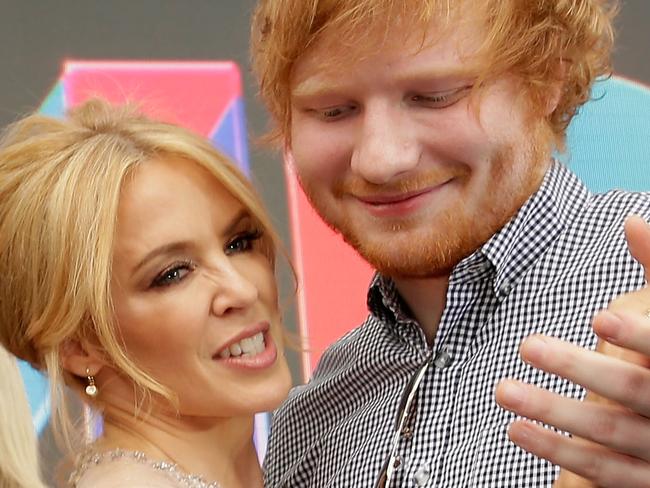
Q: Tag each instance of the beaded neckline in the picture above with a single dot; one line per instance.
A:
(90, 459)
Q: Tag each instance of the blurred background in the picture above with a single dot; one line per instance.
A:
(38, 37)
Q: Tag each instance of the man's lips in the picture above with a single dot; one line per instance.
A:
(393, 198)
(399, 205)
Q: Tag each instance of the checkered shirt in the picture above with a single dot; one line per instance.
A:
(558, 261)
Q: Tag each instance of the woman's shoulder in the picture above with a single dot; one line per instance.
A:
(131, 469)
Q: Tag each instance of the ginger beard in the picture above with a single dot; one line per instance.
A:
(430, 244)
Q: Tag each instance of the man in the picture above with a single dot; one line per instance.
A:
(423, 131)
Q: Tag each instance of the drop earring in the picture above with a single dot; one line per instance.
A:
(91, 389)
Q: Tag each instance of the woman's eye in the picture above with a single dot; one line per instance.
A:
(172, 275)
(242, 242)
(440, 99)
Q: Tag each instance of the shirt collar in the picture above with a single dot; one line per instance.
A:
(520, 243)
(385, 302)
(509, 252)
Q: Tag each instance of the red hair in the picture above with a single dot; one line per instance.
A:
(528, 38)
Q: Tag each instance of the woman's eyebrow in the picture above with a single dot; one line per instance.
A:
(235, 221)
(169, 248)
(179, 246)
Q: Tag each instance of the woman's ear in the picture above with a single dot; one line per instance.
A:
(81, 358)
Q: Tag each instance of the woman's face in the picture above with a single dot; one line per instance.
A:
(195, 297)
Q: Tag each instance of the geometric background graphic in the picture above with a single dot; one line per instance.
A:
(608, 140)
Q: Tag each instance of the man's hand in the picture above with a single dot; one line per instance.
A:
(610, 443)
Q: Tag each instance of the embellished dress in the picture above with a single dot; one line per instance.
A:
(119, 468)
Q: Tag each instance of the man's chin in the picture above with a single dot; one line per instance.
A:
(416, 258)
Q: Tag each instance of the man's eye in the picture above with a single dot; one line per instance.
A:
(440, 99)
(334, 113)
(243, 242)
(172, 275)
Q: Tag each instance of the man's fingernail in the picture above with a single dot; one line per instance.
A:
(522, 434)
(512, 394)
(533, 349)
(609, 326)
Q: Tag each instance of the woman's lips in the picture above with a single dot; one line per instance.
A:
(252, 348)
(260, 360)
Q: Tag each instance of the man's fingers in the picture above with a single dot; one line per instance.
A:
(606, 468)
(609, 377)
(608, 425)
(626, 329)
(637, 233)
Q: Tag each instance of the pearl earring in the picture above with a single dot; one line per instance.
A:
(91, 389)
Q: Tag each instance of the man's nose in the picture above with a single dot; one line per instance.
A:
(386, 146)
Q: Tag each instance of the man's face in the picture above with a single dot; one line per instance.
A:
(392, 154)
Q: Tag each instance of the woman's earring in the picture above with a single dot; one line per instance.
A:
(91, 389)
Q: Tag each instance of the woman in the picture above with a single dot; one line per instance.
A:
(19, 461)
(138, 267)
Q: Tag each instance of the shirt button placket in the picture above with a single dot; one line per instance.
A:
(407, 433)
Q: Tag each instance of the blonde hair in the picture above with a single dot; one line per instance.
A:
(60, 184)
(523, 37)
(19, 466)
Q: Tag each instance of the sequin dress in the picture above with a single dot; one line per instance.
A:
(120, 468)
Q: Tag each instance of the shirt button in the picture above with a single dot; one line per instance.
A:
(397, 462)
(422, 475)
(442, 359)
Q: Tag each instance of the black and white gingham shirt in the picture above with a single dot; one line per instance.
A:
(558, 261)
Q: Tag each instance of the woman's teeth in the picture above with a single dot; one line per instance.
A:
(249, 346)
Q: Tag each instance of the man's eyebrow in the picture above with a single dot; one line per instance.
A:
(317, 86)
(427, 75)
(178, 246)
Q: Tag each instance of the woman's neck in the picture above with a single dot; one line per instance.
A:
(219, 449)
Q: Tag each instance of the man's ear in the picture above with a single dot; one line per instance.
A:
(555, 88)
(81, 358)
